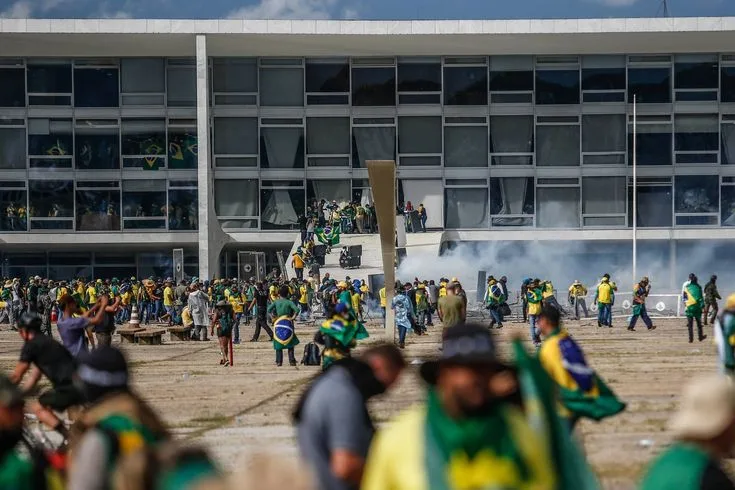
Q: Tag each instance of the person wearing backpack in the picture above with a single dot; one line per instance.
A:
(224, 320)
(116, 424)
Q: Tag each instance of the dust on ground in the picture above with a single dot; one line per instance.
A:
(245, 410)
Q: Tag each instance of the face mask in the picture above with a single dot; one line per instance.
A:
(9, 438)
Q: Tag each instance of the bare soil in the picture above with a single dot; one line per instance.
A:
(244, 411)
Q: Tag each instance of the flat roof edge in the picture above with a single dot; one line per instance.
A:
(367, 27)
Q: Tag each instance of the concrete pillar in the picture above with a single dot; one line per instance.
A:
(211, 237)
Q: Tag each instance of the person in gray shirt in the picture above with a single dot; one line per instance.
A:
(334, 428)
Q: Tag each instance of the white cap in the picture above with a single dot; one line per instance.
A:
(707, 408)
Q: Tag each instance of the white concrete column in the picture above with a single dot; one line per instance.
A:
(211, 236)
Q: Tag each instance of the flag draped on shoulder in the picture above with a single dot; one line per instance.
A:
(328, 235)
(540, 405)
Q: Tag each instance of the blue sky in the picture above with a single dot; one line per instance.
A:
(360, 9)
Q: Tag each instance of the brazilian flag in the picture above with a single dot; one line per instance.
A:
(329, 235)
(540, 405)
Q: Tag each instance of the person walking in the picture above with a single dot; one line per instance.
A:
(582, 394)
(284, 332)
(640, 293)
(534, 297)
(524, 298)
(493, 300)
(694, 301)
(198, 302)
(604, 299)
(704, 435)
(711, 295)
(452, 309)
(223, 320)
(577, 294)
(334, 427)
(404, 314)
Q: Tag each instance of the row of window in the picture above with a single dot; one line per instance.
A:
(413, 141)
(277, 204)
(89, 265)
(292, 82)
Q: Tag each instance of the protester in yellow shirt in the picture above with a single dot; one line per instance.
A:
(357, 305)
(381, 293)
(168, 302)
(91, 294)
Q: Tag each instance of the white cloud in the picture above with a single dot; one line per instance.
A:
(19, 10)
(350, 13)
(291, 9)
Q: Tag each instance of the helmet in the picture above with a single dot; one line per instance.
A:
(30, 321)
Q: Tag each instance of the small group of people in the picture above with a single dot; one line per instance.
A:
(415, 218)
(116, 436)
(351, 217)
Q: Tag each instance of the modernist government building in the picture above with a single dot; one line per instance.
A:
(121, 140)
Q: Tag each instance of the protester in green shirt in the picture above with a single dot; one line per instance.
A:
(284, 333)
(704, 435)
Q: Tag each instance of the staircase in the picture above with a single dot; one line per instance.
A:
(425, 244)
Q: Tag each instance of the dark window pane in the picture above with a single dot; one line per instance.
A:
(374, 86)
(96, 87)
(465, 85)
(696, 75)
(603, 79)
(182, 209)
(12, 148)
(649, 85)
(313, 99)
(49, 79)
(51, 199)
(57, 142)
(557, 86)
(727, 149)
(13, 210)
(654, 206)
(281, 147)
(696, 96)
(419, 77)
(420, 134)
(419, 98)
(511, 81)
(327, 77)
(234, 75)
(727, 196)
(182, 148)
(373, 143)
(511, 196)
(12, 87)
(465, 208)
(603, 97)
(727, 84)
(696, 141)
(143, 137)
(98, 149)
(697, 193)
(98, 210)
(280, 208)
(652, 148)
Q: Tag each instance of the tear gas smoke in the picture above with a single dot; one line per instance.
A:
(564, 261)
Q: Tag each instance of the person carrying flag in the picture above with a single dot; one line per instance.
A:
(471, 433)
(694, 301)
(581, 391)
(534, 298)
(339, 335)
(284, 333)
(640, 293)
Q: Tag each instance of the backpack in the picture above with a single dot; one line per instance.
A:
(312, 355)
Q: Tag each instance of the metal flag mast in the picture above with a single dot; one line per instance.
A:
(635, 192)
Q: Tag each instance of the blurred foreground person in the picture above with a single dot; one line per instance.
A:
(725, 336)
(470, 434)
(116, 424)
(44, 356)
(704, 432)
(334, 425)
(581, 392)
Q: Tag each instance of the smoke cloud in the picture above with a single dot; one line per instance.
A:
(564, 261)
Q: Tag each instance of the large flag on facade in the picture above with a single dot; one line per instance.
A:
(540, 404)
(329, 235)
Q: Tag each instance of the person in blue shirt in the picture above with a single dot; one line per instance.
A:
(403, 311)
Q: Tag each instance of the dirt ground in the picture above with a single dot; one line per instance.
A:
(244, 411)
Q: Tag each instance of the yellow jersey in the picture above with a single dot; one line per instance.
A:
(303, 295)
(168, 296)
(92, 293)
(356, 302)
(381, 293)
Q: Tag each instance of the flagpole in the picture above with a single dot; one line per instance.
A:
(635, 191)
